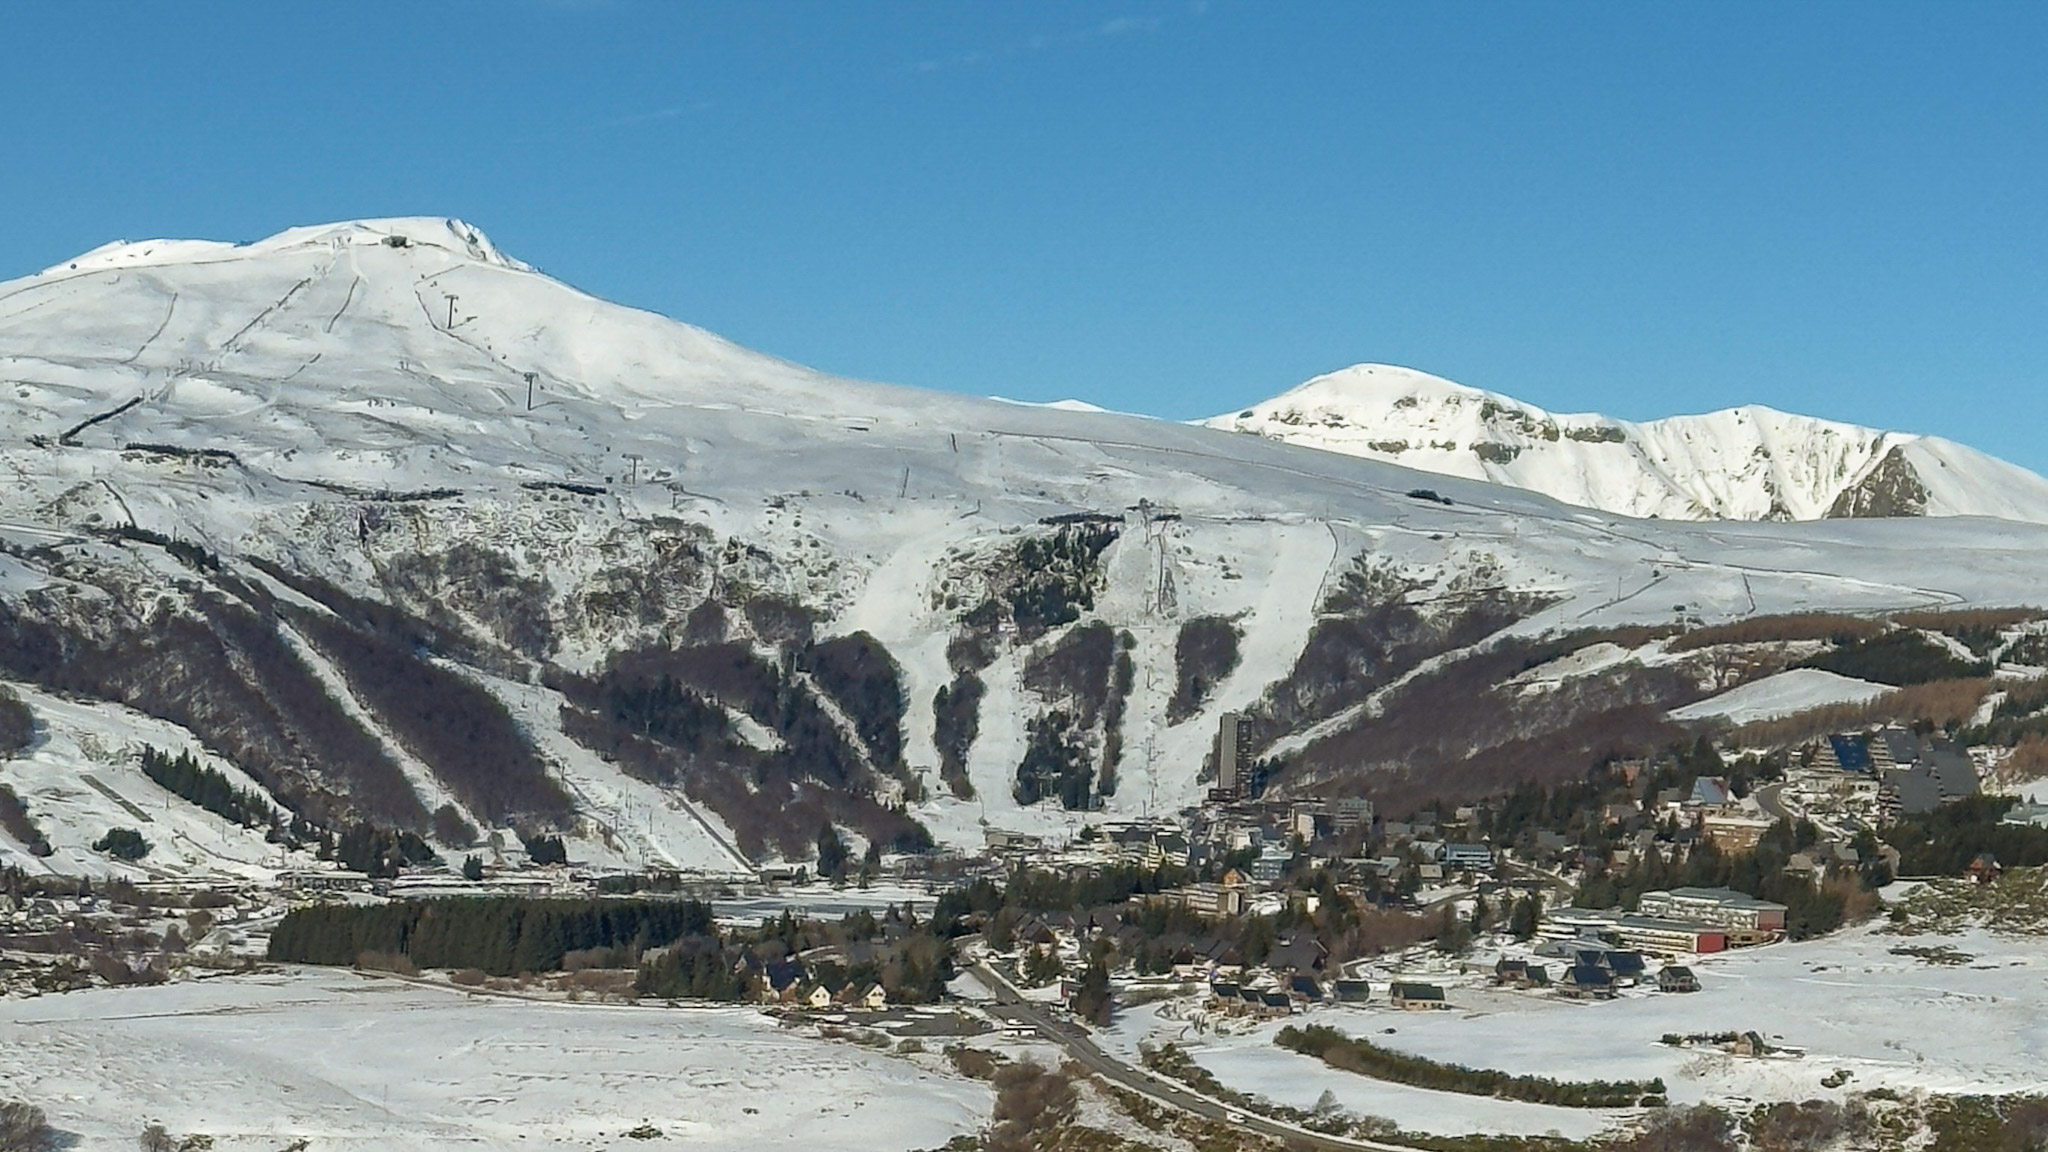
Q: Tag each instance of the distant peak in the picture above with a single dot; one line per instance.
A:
(445, 232)
(1748, 463)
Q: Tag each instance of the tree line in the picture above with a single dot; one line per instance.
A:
(186, 777)
(502, 936)
(1368, 1059)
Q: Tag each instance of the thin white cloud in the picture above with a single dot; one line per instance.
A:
(1115, 26)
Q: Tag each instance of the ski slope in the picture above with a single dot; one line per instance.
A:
(1782, 695)
(347, 398)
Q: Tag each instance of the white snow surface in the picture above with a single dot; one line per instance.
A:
(379, 1065)
(1748, 463)
(1782, 695)
(82, 777)
(1845, 1002)
(325, 360)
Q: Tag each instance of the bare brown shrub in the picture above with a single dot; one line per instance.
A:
(974, 1063)
(1780, 629)
(1789, 1127)
(1380, 931)
(1029, 1100)
(1969, 619)
(1702, 1128)
(603, 982)
(23, 1128)
(468, 977)
(2029, 759)
(1453, 734)
(394, 962)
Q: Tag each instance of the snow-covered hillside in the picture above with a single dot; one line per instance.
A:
(405, 530)
(1749, 463)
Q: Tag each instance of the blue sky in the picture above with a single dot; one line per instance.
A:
(1173, 207)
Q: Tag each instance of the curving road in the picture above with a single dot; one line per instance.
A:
(1011, 1006)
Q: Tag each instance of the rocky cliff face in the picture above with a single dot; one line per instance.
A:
(1892, 488)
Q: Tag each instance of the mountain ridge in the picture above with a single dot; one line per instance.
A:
(1751, 462)
(303, 504)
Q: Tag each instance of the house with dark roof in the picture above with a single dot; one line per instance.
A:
(1710, 792)
(1305, 989)
(1587, 982)
(1353, 991)
(1411, 997)
(1851, 754)
(1520, 974)
(1297, 954)
(780, 981)
(1624, 965)
(1677, 978)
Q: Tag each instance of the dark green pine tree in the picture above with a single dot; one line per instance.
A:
(833, 855)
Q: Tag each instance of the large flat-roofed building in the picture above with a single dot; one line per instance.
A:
(1669, 937)
(1468, 856)
(1225, 899)
(1573, 930)
(1722, 907)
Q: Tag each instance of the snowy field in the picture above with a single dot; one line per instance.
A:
(1844, 1003)
(1782, 695)
(370, 1064)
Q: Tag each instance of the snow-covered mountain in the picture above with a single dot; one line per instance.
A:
(396, 529)
(1749, 463)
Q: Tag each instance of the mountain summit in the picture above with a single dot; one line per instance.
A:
(1748, 463)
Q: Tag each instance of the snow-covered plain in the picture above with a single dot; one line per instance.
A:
(1845, 1003)
(379, 1065)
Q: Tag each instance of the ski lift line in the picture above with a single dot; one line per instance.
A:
(161, 325)
(67, 437)
(125, 510)
(345, 302)
(233, 343)
(294, 374)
